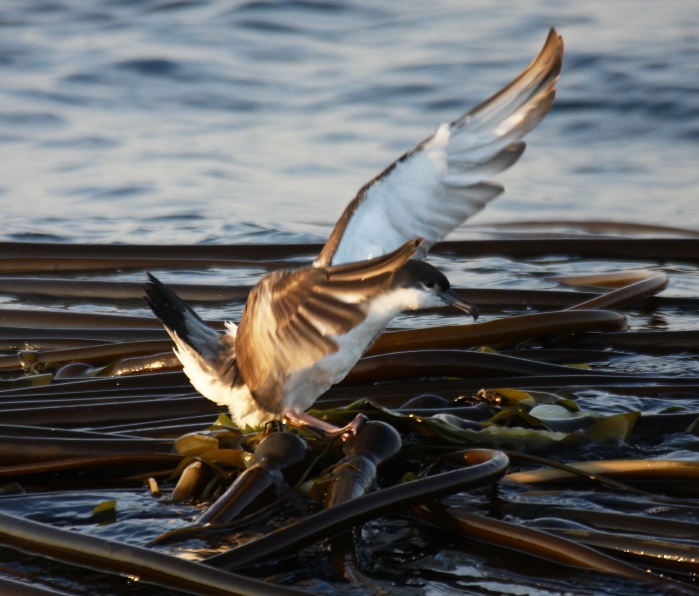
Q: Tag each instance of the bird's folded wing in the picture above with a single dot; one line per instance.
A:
(291, 318)
(435, 187)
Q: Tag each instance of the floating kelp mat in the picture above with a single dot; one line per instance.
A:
(551, 447)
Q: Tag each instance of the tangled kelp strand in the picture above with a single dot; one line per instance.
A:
(574, 471)
(648, 285)
(44, 319)
(533, 228)
(18, 338)
(162, 427)
(111, 290)
(174, 252)
(142, 383)
(447, 363)
(647, 341)
(26, 449)
(486, 466)
(120, 558)
(93, 354)
(618, 279)
(509, 331)
(277, 464)
(98, 469)
(92, 414)
(355, 473)
(628, 470)
(197, 256)
(488, 299)
(540, 544)
(23, 588)
(644, 551)
(648, 525)
(653, 249)
(52, 264)
(394, 394)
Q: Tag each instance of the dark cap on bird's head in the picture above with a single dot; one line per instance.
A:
(422, 275)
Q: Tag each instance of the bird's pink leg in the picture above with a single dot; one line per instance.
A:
(325, 429)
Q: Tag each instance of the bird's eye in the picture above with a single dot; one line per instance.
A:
(429, 284)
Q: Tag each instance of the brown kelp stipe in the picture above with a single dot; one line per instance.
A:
(540, 544)
(147, 565)
(20, 257)
(277, 464)
(487, 466)
(662, 472)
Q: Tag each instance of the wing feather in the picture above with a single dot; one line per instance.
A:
(447, 173)
(291, 318)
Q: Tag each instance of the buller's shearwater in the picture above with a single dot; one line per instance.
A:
(304, 329)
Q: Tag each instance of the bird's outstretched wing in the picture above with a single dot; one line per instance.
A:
(291, 317)
(435, 187)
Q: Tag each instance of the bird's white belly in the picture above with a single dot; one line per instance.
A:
(306, 385)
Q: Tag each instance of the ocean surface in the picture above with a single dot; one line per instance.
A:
(183, 121)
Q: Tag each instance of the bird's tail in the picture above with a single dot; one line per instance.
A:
(207, 355)
(180, 320)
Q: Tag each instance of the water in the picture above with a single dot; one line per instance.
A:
(176, 121)
(168, 121)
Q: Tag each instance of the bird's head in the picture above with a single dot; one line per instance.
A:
(429, 287)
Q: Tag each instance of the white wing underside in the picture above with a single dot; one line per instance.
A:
(442, 182)
(424, 196)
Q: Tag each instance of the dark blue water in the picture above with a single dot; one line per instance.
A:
(153, 121)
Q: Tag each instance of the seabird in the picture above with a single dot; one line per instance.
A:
(304, 329)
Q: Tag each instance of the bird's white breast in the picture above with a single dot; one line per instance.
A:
(306, 385)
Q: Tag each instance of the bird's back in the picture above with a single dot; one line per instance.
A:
(295, 318)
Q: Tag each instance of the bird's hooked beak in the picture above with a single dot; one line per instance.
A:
(452, 300)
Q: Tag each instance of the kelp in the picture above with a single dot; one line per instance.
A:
(541, 544)
(98, 399)
(109, 290)
(647, 525)
(635, 249)
(64, 256)
(506, 429)
(655, 470)
(277, 464)
(356, 472)
(648, 285)
(24, 588)
(128, 465)
(40, 361)
(644, 551)
(29, 449)
(117, 557)
(485, 466)
(501, 332)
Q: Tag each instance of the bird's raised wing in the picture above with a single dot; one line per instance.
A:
(435, 187)
(291, 317)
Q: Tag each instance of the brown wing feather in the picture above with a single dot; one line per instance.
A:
(291, 316)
